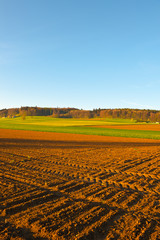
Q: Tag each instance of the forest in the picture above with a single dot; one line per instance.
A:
(140, 115)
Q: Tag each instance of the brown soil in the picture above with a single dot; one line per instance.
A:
(68, 186)
(149, 127)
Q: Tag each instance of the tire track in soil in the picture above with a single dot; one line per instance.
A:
(99, 181)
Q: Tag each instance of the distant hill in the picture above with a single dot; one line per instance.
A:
(137, 114)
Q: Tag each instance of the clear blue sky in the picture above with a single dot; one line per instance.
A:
(80, 53)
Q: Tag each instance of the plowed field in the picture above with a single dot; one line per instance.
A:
(68, 186)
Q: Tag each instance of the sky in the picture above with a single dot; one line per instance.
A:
(85, 54)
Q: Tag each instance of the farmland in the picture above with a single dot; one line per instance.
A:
(101, 127)
(74, 186)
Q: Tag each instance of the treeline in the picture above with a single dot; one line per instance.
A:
(126, 113)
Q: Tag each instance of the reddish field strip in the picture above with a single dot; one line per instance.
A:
(33, 135)
(69, 186)
(150, 127)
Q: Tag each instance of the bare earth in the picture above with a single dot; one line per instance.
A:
(147, 127)
(68, 186)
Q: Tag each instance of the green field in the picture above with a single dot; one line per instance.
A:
(78, 126)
